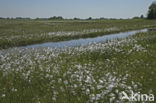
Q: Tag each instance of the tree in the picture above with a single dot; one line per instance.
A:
(90, 18)
(76, 18)
(152, 11)
(1, 18)
(142, 16)
(56, 18)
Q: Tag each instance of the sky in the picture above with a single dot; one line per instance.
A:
(74, 8)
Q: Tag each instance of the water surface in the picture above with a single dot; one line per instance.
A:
(85, 41)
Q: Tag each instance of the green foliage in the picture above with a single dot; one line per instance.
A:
(76, 18)
(152, 11)
(56, 18)
(142, 16)
(90, 18)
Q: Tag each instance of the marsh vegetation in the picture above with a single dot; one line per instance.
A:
(23, 32)
(95, 73)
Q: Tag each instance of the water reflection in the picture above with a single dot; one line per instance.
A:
(86, 41)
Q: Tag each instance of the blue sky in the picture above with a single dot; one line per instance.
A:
(74, 8)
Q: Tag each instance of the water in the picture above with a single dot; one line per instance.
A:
(86, 41)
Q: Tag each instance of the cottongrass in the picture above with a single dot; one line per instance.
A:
(57, 34)
(66, 76)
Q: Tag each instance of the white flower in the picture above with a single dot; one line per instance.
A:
(59, 80)
(87, 91)
(54, 98)
(99, 86)
(66, 82)
(3, 95)
(92, 97)
(98, 96)
(14, 90)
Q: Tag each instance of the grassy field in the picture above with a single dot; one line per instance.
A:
(96, 73)
(24, 32)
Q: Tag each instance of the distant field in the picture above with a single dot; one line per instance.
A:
(24, 32)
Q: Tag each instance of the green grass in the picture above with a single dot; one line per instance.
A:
(24, 32)
(76, 75)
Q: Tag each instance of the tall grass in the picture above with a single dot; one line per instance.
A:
(96, 73)
(24, 32)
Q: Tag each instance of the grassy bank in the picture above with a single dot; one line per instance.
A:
(24, 32)
(95, 73)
